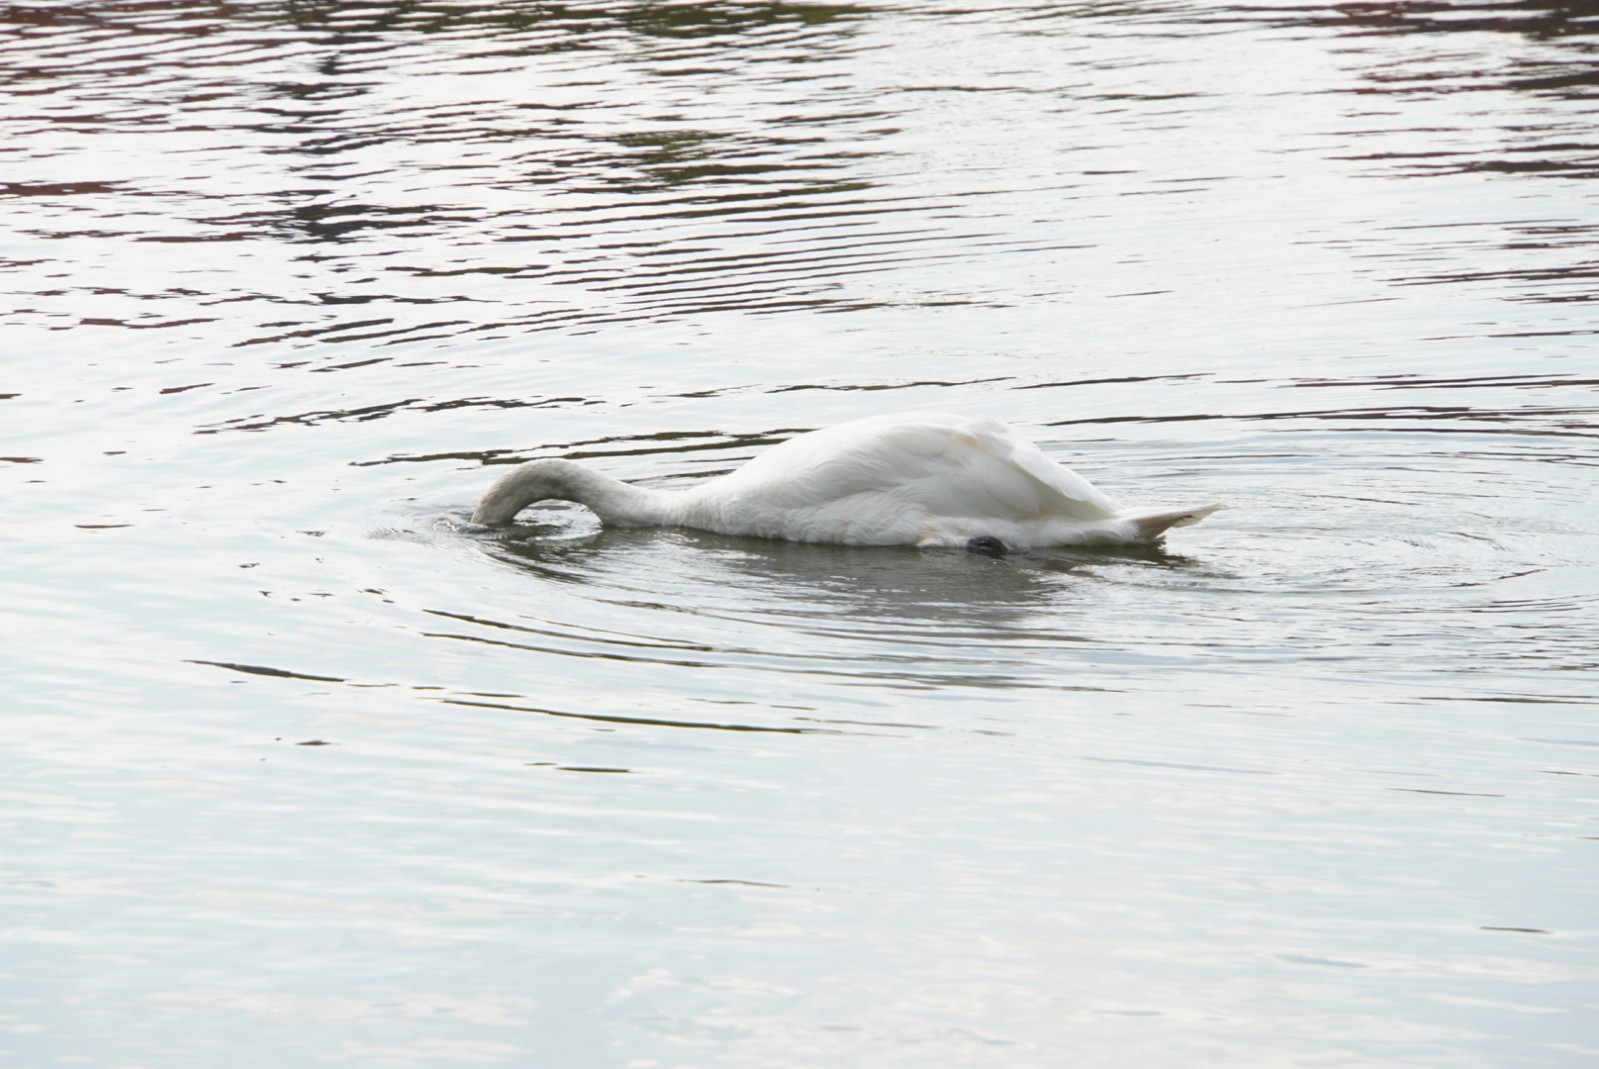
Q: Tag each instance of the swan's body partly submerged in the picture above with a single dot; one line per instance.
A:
(920, 480)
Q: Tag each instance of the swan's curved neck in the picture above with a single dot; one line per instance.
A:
(538, 480)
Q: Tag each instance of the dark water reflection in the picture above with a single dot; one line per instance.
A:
(303, 767)
(754, 184)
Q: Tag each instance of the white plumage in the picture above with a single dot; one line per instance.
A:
(922, 480)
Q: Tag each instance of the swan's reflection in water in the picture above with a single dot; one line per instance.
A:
(901, 617)
(797, 582)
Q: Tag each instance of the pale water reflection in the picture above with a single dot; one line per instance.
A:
(301, 767)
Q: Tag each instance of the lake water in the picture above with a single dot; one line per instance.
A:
(300, 768)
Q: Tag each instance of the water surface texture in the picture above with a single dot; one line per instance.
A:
(300, 768)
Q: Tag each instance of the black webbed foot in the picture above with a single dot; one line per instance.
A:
(987, 545)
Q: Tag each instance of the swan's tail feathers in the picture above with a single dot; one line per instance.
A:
(1154, 525)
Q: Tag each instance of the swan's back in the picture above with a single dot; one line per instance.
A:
(927, 479)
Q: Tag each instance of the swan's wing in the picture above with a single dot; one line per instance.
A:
(1060, 489)
(946, 465)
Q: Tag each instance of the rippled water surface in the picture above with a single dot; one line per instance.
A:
(302, 768)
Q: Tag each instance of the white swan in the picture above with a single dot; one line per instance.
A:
(919, 480)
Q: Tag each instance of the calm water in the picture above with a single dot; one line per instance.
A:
(301, 769)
